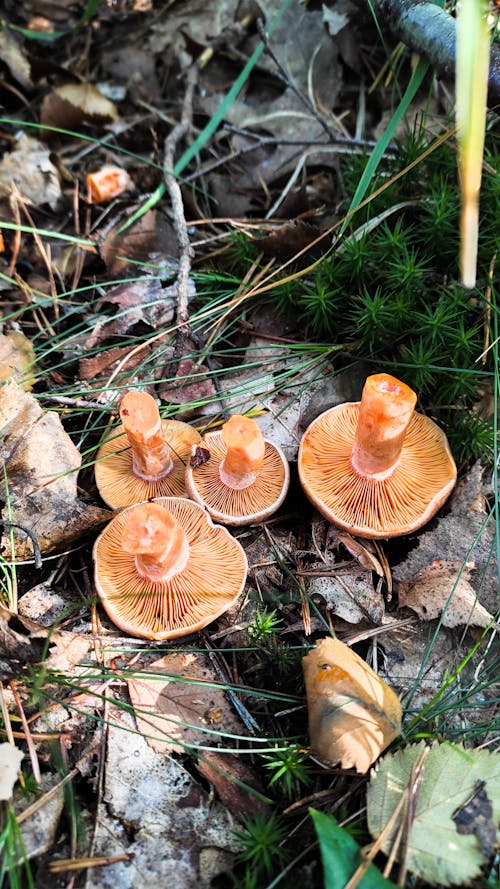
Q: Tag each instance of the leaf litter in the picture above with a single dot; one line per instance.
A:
(150, 803)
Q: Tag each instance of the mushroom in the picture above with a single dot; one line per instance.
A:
(243, 477)
(163, 569)
(145, 456)
(377, 468)
(107, 183)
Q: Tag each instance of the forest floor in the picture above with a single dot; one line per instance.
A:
(247, 266)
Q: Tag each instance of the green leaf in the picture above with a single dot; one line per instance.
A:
(341, 856)
(453, 778)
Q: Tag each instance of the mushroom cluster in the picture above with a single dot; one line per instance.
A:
(377, 467)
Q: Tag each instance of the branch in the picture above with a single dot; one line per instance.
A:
(430, 31)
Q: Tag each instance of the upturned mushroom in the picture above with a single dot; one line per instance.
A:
(144, 457)
(163, 569)
(377, 467)
(241, 477)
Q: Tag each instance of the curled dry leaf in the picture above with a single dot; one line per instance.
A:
(73, 104)
(444, 585)
(42, 464)
(353, 714)
(10, 760)
(23, 641)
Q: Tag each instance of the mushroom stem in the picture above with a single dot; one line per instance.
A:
(157, 541)
(385, 412)
(245, 452)
(151, 459)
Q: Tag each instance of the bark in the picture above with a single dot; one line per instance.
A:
(430, 31)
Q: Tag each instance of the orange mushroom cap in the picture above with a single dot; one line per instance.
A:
(163, 569)
(246, 477)
(377, 468)
(107, 183)
(144, 457)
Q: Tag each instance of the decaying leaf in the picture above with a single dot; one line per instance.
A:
(444, 585)
(353, 714)
(17, 359)
(23, 641)
(348, 594)
(151, 803)
(234, 781)
(174, 702)
(30, 168)
(463, 533)
(42, 464)
(10, 760)
(73, 104)
(13, 55)
(437, 850)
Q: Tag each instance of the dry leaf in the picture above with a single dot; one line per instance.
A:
(12, 55)
(22, 641)
(428, 593)
(73, 104)
(17, 359)
(348, 594)
(29, 167)
(353, 714)
(42, 463)
(10, 760)
(228, 773)
(173, 704)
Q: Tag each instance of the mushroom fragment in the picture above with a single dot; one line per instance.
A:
(163, 569)
(107, 183)
(246, 477)
(145, 456)
(377, 468)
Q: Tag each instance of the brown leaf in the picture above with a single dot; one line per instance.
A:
(227, 772)
(23, 641)
(17, 359)
(428, 593)
(191, 384)
(42, 464)
(353, 714)
(173, 703)
(73, 104)
(288, 239)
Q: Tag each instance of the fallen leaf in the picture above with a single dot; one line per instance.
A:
(444, 585)
(175, 703)
(235, 782)
(175, 833)
(348, 594)
(42, 463)
(23, 641)
(462, 533)
(192, 383)
(17, 359)
(10, 760)
(476, 817)
(12, 55)
(353, 714)
(30, 168)
(435, 849)
(73, 104)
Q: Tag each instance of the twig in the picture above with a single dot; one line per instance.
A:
(246, 717)
(179, 219)
(37, 555)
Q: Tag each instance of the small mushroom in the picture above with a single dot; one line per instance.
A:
(145, 456)
(107, 183)
(245, 478)
(163, 569)
(377, 468)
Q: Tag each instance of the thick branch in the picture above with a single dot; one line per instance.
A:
(430, 31)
